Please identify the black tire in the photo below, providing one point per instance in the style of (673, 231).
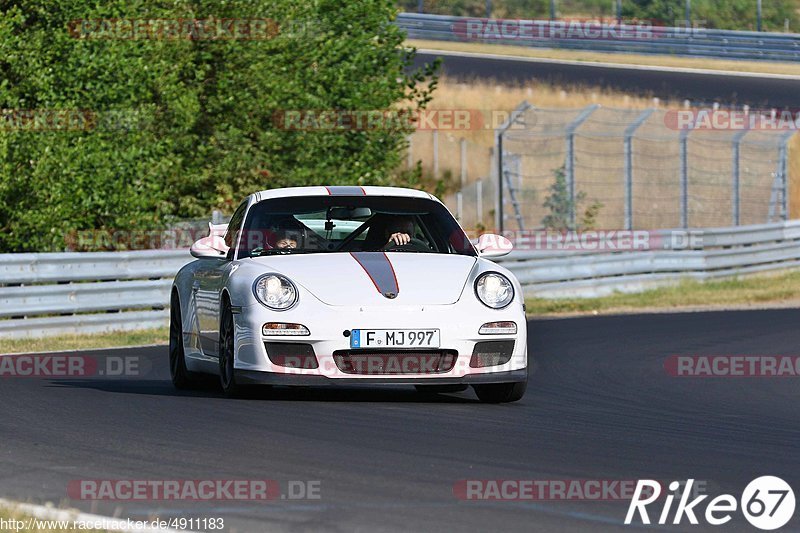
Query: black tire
(181, 377)
(501, 392)
(440, 389)
(227, 378)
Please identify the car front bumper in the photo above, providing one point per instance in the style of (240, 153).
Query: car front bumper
(458, 324)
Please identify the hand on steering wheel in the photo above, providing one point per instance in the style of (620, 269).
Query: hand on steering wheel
(410, 245)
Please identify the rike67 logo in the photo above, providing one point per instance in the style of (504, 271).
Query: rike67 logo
(767, 503)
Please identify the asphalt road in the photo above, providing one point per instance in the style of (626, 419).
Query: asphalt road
(600, 406)
(665, 84)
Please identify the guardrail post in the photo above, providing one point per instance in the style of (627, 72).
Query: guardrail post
(569, 165)
(737, 187)
(684, 156)
(629, 132)
(499, 132)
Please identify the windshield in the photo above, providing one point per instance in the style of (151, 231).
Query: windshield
(330, 224)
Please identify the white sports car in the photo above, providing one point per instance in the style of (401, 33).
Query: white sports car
(337, 285)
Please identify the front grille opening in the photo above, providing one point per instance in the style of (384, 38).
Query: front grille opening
(382, 363)
(292, 355)
(491, 353)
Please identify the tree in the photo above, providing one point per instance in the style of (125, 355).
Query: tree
(561, 207)
(182, 126)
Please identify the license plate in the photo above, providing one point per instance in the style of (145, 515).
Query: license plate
(394, 338)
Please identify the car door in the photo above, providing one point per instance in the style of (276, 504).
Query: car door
(207, 287)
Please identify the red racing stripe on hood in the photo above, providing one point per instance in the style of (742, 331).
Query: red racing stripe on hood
(380, 271)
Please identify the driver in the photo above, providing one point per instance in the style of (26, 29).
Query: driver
(398, 231)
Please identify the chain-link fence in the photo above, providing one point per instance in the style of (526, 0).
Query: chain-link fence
(639, 169)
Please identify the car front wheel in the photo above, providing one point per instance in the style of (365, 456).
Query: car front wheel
(181, 377)
(226, 354)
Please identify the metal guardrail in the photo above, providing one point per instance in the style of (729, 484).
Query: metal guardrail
(699, 42)
(62, 293)
(723, 252)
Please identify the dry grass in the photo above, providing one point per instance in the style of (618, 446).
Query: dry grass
(494, 101)
(83, 342)
(765, 67)
(709, 159)
(769, 290)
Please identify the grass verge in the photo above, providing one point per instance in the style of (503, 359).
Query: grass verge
(758, 67)
(751, 291)
(115, 339)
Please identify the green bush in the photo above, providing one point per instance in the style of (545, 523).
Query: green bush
(186, 126)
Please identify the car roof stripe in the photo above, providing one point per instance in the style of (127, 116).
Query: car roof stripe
(346, 190)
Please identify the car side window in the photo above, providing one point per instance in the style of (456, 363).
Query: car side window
(234, 229)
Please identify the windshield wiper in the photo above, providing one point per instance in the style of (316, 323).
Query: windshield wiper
(257, 252)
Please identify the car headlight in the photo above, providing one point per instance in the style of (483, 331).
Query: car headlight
(494, 290)
(275, 291)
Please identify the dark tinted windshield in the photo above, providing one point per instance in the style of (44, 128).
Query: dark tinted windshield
(328, 224)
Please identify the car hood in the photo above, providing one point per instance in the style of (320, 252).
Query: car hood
(376, 278)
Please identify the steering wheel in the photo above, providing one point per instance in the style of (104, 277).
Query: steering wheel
(414, 245)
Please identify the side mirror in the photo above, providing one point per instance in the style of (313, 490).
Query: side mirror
(211, 247)
(491, 245)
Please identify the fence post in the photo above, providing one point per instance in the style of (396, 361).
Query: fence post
(684, 141)
(463, 162)
(410, 160)
(435, 154)
(499, 132)
(569, 165)
(479, 200)
(783, 165)
(737, 182)
(629, 133)
(758, 14)
(460, 206)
